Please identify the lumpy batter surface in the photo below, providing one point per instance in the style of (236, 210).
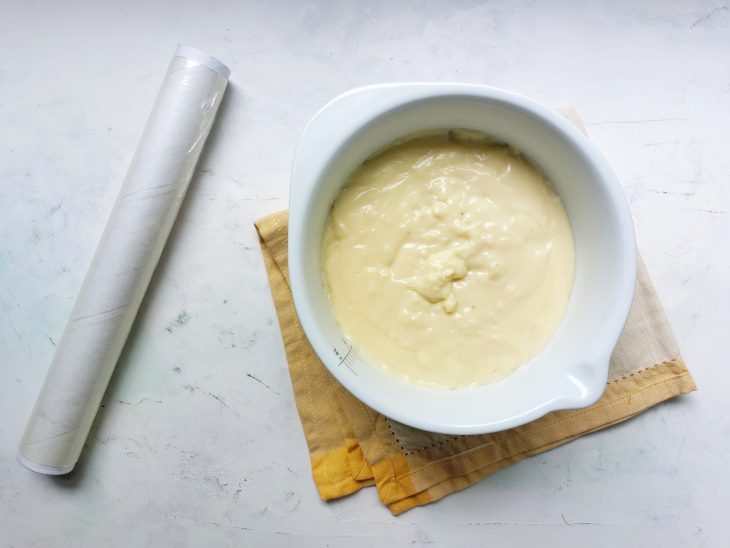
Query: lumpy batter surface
(448, 259)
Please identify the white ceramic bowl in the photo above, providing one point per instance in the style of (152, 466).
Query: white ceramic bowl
(570, 372)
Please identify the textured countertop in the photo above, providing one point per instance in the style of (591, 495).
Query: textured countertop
(198, 441)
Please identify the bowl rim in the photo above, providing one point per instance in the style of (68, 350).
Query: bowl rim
(389, 97)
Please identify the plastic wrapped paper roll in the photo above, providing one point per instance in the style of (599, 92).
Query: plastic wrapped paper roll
(120, 272)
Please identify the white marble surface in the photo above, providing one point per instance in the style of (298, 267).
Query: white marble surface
(198, 442)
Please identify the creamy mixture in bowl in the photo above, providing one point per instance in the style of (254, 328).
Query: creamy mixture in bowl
(448, 259)
(410, 280)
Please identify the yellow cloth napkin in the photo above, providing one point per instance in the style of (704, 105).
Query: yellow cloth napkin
(351, 446)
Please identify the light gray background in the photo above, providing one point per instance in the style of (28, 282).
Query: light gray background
(190, 449)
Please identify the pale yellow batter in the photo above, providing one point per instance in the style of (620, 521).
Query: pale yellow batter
(448, 259)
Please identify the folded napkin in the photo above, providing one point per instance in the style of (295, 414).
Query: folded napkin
(351, 446)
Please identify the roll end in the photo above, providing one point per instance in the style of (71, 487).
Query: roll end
(43, 468)
(204, 59)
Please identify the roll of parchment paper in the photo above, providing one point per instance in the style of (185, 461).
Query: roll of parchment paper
(120, 272)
